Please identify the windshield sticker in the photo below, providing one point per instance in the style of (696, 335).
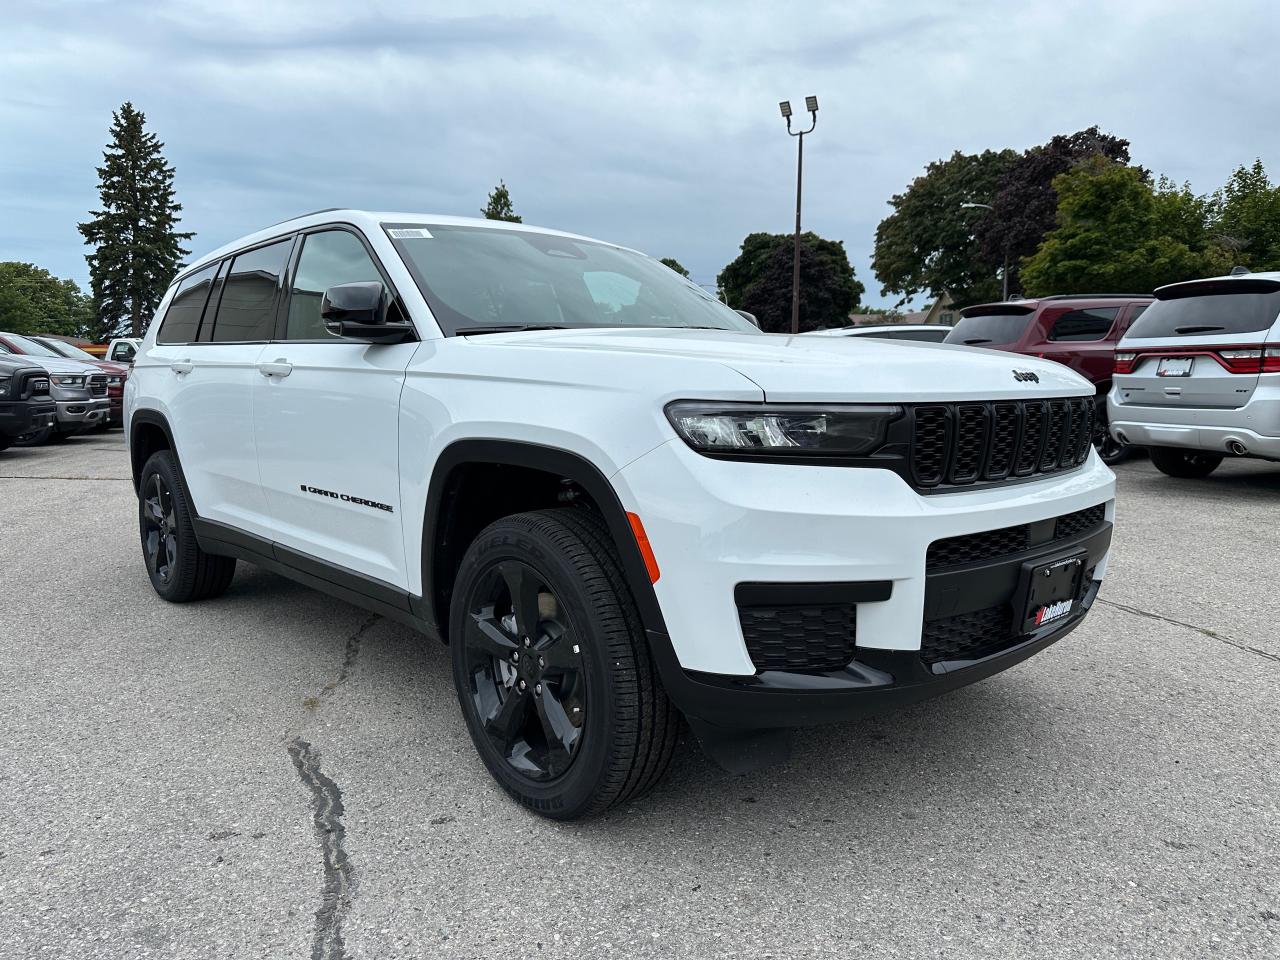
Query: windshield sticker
(409, 233)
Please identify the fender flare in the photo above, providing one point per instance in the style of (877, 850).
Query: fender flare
(571, 466)
(153, 418)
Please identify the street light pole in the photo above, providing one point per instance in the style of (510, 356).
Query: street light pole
(1004, 271)
(811, 104)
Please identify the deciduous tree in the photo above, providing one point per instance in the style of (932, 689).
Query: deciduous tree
(675, 265)
(32, 300)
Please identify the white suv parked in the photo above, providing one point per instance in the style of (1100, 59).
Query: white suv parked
(617, 500)
(1197, 376)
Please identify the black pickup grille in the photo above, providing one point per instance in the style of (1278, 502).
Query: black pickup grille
(98, 385)
(992, 544)
(956, 444)
(33, 385)
(818, 637)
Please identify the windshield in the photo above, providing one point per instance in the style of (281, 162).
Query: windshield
(485, 279)
(998, 328)
(68, 350)
(27, 345)
(1226, 306)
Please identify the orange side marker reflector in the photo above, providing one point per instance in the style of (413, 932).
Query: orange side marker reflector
(646, 551)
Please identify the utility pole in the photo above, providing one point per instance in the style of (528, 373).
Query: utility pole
(1004, 271)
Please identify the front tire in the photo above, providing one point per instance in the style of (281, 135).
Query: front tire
(1184, 464)
(179, 570)
(552, 668)
(1110, 450)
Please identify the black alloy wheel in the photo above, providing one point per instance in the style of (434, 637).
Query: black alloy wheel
(159, 529)
(1110, 450)
(525, 671)
(552, 666)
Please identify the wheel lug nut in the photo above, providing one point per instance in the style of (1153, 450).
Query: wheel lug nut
(527, 641)
(537, 688)
(515, 656)
(542, 662)
(522, 684)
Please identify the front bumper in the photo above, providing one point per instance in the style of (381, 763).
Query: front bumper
(26, 416)
(715, 525)
(74, 415)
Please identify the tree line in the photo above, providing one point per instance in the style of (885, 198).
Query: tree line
(1071, 215)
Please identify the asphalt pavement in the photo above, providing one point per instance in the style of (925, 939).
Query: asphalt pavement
(276, 774)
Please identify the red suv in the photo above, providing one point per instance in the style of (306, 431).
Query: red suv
(1078, 330)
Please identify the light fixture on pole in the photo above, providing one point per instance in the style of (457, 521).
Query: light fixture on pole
(810, 104)
(1004, 272)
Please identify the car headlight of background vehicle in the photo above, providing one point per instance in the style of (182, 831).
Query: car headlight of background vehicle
(114, 380)
(782, 431)
(67, 381)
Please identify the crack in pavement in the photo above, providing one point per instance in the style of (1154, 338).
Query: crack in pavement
(339, 875)
(1204, 631)
(339, 887)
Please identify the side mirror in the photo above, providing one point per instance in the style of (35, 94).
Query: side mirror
(749, 317)
(358, 311)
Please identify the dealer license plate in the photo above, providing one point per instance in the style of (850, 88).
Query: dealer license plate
(1052, 593)
(1174, 367)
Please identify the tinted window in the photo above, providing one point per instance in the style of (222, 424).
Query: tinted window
(247, 309)
(328, 259)
(979, 331)
(1137, 312)
(1091, 324)
(1225, 306)
(182, 319)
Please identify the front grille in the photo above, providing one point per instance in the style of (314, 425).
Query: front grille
(967, 636)
(813, 638)
(957, 444)
(991, 544)
(98, 385)
(33, 386)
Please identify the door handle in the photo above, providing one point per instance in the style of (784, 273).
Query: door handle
(279, 367)
(181, 366)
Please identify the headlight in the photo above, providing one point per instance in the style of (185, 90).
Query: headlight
(783, 431)
(114, 381)
(63, 381)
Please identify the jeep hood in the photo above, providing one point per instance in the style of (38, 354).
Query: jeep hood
(817, 369)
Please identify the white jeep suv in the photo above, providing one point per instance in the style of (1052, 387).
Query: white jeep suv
(616, 500)
(1197, 376)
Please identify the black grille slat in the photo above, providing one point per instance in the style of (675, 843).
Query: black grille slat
(1006, 421)
(1032, 438)
(993, 544)
(969, 444)
(1055, 435)
(810, 638)
(931, 436)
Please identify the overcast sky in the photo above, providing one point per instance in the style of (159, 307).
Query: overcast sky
(651, 124)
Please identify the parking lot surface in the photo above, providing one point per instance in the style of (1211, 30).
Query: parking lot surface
(277, 774)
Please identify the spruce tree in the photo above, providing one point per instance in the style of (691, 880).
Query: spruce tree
(137, 249)
(499, 207)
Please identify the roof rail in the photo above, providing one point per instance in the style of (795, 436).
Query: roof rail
(310, 213)
(1093, 296)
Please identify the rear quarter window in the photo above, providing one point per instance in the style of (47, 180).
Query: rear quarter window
(1221, 307)
(1090, 324)
(182, 319)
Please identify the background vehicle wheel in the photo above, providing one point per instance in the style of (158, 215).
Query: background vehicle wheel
(1110, 450)
(35, 438)
(179, 570)
(1188, 464)
(552, 668)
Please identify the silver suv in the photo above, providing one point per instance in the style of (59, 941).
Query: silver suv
(1197, 376)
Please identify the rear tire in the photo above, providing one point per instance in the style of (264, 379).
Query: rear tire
(544, 591)
(1185, 464)
(1110, 450)
(179, 570)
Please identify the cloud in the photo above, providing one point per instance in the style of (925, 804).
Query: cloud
(652, 124)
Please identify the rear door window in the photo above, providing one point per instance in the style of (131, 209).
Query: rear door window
(182, 319)
(1211, 309)
(993, 328)
(1091, 324)
(251, 294)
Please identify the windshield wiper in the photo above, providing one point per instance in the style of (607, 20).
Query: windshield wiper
(509, 328)
(1207, 328)
(970, 343)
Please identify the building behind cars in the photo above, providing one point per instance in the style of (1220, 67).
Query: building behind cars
(1198, 376)
(1078, 331)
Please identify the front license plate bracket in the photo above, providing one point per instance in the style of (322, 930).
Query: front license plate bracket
(1051, 591)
